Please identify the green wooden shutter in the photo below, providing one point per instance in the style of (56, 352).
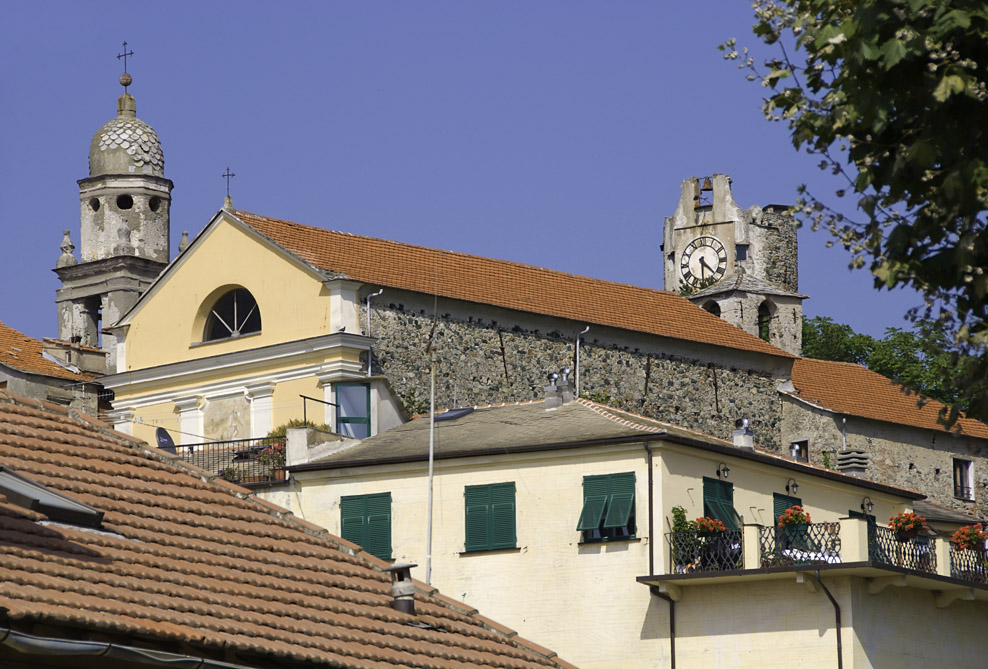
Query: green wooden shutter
(378, 528)
(782, 502)
(503, 515)
(621, 501)
(596, 489)
(718, 502)
(477, 502)
(353, 511)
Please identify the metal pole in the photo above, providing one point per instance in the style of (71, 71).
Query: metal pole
(432, 443)
(369, 296)
(585, 330)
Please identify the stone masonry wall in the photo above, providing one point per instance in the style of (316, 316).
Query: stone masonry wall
(909, 457)
(774, 242)
(490, 360)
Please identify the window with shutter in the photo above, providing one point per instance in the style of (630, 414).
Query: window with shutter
(718, 502)
(782, 502)
(490, 517)
(366, 521)
(608, 511)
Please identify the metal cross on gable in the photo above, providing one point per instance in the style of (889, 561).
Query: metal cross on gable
(228, 175)
(124, 56)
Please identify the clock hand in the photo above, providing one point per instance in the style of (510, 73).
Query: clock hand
(704, 266)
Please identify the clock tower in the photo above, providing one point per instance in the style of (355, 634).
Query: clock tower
(739, 264)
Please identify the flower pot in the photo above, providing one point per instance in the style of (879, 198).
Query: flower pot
(279, 474)
(906, 535)
(795, 536)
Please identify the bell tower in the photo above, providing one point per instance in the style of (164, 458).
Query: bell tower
(124, 220)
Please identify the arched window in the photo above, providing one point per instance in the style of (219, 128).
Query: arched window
(765, 321)
(234, 314)
(713, 308)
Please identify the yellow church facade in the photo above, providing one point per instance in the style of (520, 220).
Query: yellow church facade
(234, 337)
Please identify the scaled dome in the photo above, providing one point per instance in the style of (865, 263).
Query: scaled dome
(126, 145)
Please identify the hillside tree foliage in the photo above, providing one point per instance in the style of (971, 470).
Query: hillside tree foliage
(922, 359)
(891, 97)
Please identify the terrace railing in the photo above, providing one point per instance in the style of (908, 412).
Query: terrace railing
(886, 547)
(706, 551)
(809, 543)
(969, 565)
(243, 461)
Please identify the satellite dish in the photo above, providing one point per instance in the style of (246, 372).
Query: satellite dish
(165, 442)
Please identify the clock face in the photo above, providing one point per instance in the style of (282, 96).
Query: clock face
(703, 259)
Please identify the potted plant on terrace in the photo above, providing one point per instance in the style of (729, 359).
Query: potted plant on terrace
(908, 525)
(709, 526)
(273, 456)
(969, 538)
(685, 545)
(794, 525)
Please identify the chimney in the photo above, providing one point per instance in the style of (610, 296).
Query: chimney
(743, 436)
(559, 391)
(402, 588)
(852, 462)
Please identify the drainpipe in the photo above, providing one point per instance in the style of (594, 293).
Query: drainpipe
(369, 296)
(585, 330)
(672, 624)
(843, 433)
(651, 520)
(840, 649)
(651, 562)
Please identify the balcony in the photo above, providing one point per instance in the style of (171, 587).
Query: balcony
(851, 544)
(247, 462)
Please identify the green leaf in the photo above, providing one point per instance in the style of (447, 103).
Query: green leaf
(892, 52)
(949, 85)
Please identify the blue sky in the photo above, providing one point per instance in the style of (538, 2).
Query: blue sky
(554, 133)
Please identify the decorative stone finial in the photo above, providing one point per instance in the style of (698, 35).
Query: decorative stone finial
(228, 203)
(67, 259)
(184, 243)
(126, 80)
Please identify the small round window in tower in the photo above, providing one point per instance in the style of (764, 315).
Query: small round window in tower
(154, 203)
(125, 202)
(233, 315)
(94, 204)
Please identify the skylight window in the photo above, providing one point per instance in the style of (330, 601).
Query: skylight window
(29, 494)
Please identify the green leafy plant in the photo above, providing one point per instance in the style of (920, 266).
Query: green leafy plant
(231, 474)
(282, 430)
(273, 455)
(794, 515)
(679, 521)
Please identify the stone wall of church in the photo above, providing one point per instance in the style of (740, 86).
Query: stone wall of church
(491, 356)
(902, 456)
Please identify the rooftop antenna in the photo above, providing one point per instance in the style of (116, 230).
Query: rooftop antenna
(125, 78)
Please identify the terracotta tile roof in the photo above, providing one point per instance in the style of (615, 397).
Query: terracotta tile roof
(24, 354)
(182, 562)
(505, 284)
(849, 388)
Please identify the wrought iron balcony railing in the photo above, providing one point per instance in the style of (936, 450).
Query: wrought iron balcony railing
(243, 461)
(800, 544)
(885, 546)
(969, 565)
(706, 551)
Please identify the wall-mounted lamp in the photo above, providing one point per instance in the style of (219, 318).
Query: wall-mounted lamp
(792, 486)
(722, 471)
(867, 505)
